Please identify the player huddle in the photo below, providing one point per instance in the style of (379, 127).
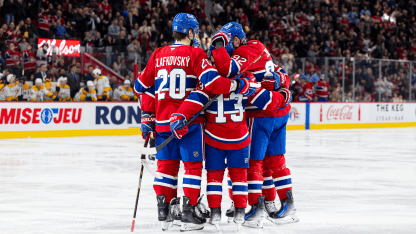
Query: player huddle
(243, 130)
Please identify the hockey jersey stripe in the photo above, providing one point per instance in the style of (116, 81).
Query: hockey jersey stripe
(165, 184)
(223, 140)
(282, 178)
(262, 99)
(190, 84)
(234, 68)
(268, 182)
(208, 76)
(214, 187)
(139, 87)
(190, 181)
(167, 181)
(284, 186)
(282, 182)
(240, 188)
(163, 123)
(255, 187)
(198, 98)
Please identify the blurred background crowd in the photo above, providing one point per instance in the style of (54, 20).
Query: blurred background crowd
(360, 50)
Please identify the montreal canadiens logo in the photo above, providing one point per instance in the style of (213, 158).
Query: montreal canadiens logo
(46, 116)
(293, 114)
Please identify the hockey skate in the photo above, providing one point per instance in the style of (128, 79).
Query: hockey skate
(239, 217)
(215, 218)
(191, 218)
(230, 213)
(175, 212)
(254, 218)
(163, 212)
(287, 212)
(202, 208)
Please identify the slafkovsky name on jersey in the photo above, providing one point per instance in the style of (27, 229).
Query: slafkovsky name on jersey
(173, 60)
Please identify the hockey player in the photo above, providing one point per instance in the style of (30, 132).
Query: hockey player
(38, 91)
(322, 87)
(104, 91)
(77, 97)
(51, 89)
(307, 93)
(125, 92)
(227, 138)
(88, 93)
(5, 94)
(267, 128)
(63, 91)
(174, 71)
(14, 87)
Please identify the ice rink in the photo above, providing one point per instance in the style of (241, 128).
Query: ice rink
(344, 181)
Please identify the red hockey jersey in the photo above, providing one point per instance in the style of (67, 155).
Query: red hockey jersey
(307, 93)
(29, 60)
(242, 57)
(104, 8)
(226, 126)
(174, 71)
(12, 57)
(44, 22)
(13, 36)
(322, 88)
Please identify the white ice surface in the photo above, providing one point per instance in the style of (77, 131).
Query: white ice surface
(344, 181)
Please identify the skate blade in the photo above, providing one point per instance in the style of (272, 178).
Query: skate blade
(186, 227)
(253, 224)
(285, 220)
(177, 223)
(217, 226)
(230, 219)
(165, 225)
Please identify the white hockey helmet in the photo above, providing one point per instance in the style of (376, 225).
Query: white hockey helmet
(1, 75)
(127, 82)
(90, 83)
(38, 81)
(96, 71)
(9, 77)
(62, 79)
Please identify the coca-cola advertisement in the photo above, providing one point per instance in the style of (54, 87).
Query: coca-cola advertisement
(339, 113)
(328, 114)
(66, 48)
(334, 113)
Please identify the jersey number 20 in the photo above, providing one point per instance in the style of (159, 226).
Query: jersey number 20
(175, 75)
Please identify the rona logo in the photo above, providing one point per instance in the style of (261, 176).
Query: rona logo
(117, 115)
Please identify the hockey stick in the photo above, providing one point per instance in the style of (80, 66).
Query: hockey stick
(140, 183)
(212, 100)
(142, 149)
(208, 10)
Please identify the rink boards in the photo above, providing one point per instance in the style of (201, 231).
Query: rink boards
(58, 119)
(51, 119)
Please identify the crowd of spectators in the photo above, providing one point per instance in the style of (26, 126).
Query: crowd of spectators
(128, 31)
